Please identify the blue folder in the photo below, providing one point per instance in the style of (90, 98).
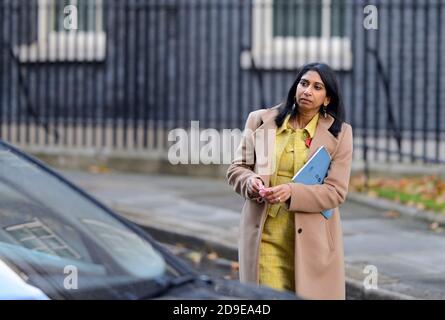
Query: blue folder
(315, 171)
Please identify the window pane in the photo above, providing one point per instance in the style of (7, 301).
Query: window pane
(39, 232)
(59, 15)
(298, 18)
(33, 243)
(86, 14)
(338, 9)
(66, 253)
(20, 234)
(53, 243)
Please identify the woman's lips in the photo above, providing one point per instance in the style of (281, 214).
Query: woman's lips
(305, 100)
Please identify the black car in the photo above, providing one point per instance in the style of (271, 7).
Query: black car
(58, 242)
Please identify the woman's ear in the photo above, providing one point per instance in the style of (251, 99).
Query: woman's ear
(327, 100)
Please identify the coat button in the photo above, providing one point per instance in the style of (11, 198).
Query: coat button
(300, 230)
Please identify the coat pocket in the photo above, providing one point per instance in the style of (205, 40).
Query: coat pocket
(329, 235)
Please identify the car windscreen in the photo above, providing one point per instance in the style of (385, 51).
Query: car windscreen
(65, 244)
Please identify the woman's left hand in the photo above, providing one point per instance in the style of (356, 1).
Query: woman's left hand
(276, 194)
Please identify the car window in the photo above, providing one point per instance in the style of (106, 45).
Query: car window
(63, 243)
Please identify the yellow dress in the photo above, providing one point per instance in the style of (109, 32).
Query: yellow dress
(276, 259)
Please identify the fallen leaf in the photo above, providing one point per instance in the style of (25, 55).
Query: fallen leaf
(194, 256)
(93, 169)
(212, 256)
(434, 225)
(373, 194)
(391, 214)
(100, 169)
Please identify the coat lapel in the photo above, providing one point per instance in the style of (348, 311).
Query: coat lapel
(264, 144)
(323, 137)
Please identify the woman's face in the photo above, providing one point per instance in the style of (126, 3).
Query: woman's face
(311, 92)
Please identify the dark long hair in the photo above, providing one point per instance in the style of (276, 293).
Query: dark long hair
(335, 107)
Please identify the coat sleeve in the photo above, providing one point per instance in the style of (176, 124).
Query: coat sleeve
(242, 167)
(333, 191)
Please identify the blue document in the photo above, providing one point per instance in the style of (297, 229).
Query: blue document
(314, 171)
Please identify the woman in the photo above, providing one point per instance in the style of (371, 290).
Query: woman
(285, 242)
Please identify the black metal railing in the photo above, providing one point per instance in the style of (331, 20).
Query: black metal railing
(135, 69)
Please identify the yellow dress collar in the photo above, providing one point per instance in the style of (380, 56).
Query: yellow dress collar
(309, 128)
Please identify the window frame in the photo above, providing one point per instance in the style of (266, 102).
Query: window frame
(29, 226)
(71, 45)
(290, 52)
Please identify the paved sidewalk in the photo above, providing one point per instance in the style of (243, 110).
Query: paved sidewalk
(409, 257)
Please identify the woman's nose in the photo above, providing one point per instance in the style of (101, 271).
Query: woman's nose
(308, 91)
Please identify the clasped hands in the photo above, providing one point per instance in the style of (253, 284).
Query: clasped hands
(273, 195)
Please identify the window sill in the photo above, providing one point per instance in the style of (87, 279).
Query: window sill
(287, 53)
(64, 47)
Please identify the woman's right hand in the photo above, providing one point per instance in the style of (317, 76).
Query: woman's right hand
(254, 185)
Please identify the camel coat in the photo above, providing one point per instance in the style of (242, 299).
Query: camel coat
(319, 258)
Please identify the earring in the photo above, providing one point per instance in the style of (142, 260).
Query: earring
(325, 112)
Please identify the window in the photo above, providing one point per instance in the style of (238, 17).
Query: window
(68, 30)
(289, 33)
(89, 15)
(297, 18)
(36, 236)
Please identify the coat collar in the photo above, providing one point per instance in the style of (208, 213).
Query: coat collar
(309, 128)
(268, 118)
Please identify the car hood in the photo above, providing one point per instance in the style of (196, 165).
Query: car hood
(14, 288)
